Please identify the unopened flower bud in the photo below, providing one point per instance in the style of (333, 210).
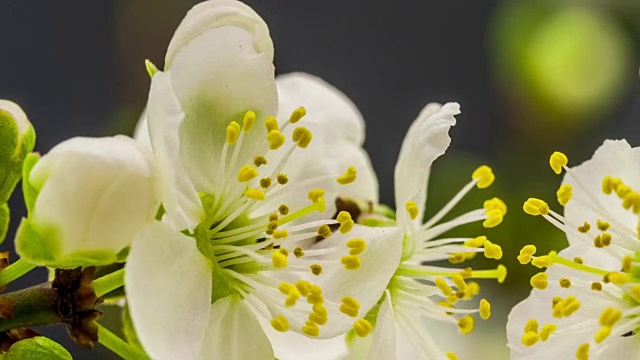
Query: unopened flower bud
(17, 139)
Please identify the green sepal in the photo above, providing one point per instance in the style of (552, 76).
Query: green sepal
(151, 68)
(13, 150)
(29, 192)
(37, 348)
(4, 221)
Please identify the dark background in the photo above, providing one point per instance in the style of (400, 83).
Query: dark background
(77, 69)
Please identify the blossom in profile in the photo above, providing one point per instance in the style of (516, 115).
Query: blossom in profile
(586, 304)
(249, 182)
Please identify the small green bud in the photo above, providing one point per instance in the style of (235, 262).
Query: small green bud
(17, 139)
(4, 221)
(151, 68)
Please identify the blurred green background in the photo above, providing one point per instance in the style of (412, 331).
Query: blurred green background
(532, 77)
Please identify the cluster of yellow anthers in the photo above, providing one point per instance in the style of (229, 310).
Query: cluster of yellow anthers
(624, 280)
(242, 250)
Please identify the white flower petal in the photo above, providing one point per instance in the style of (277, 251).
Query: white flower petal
(379, 261)
(427, 139)
(168, 285)
(165, 117)
(292, 345)
(217, 77)
(615, 159)
(381, 343)
(234, 333)
(216, 14)
(109, 188)
(141, 132)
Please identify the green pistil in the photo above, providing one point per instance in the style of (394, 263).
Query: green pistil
(319, 206)
(580, 267)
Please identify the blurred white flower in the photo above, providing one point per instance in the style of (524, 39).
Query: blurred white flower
(244, 196)
(586, 304)
(87, 198)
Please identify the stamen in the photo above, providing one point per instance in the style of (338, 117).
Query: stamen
(302, 136)
(492, 251)
(610, 317)
(535, 207)
(483, 176)
(351, 262)
(265, 183)
(485, 309)
(316, 269)
(248, 120)
(531, 326)
(526, 253)
(346, 223)
(350, 306)
(311, 329)
(564, 194)
(279, 259)
(324, 231)
(280, 323)
(246, 173)
(282, 179)
(362, 327)
(412, 209)
(530, 338)
(348, 177)
(583, 352)
(233, 129)
(298, 252)
(283, 209)
(271, 124)
(259, 160)
(276, 139)
(466, 324)
(255, 194)
(540, 281)
(297, 114)
(547, 330)
(356, 246)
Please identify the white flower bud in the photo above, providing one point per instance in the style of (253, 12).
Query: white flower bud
(93, 196)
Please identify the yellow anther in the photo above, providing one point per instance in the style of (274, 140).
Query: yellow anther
(597, 241)
(351, 262)
(304, 287)
(602, 334)
(315, 295)
(578, 260)
(279, 259)
(248, 120)
(282, 179)
(271, 124)
(603, 225)
(501, 273)
(280, 323)
(473, 288)
(557, 161)
(583, 352)
(317, 318)
(348, 177)
(311, 329)
(451, 356)
(535, 207)
(476, 242)
(584, 228)
(544, 261)
(466, 324)
(564, 194)
(606, 239)
(275, 139)
(302, 136)
(610, 317)
(255, 194)
(596, 286)
(316, 195)
(283, 209)
(280, 234)
(356, 246)
(272, 226)
(485, 309)
(412, 209)
(492, 251)
(273, 218)
(468, 272)
(346, 226)
(297, 114)
(246, 173)
(320, 309)
(526, 253)
(618, 278)
(286, 288)
(495, 203)
(233, 129)
(265, 183)
(316, 269)
(627, 263)
(483, 176)
(610, 184)
(457, 258)
(324, 231)
(350, 306)
(530, 338)
(566, 307)
(565, 283)
(362, 327)
(540, 281)
(494, 218)
(259, 161)
(623, 190)
(292, 298)
(555, 301)
(531, 326)
(547, 330)
(459, 281)
(444, 287)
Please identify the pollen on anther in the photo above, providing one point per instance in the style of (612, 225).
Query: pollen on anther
(466, 324)
(302, 136)
(279, 259)
(583, 352)
(248, 120)
(348, 177)
(535, 207)
(276, 139)
(316, 195)
(547, 330)
(362, 327)
(316, 269)
(530, 338)
(564, 194)
(254, 194)
(596, 286)
(492, 251)
(298, 252)
(350, 306)
(565, 283)
(280, 234)
(246, 173)
(351, 262)
(283, 209)
(526, 253)
(265, 183)
(584, 228)
(271, 124)
(311, 329)
(557, 161)
(282, 179)
(483, 176)
(280, 323)
(485, 309)
(233, 129)
(539, 281)
(324, 231)
(412, 209)
(259, 161)
(356, 246)
(297, 114)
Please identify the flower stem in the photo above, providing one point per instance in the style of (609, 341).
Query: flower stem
(14, 271)
(118, 346)
(108, 283)
(33, 306)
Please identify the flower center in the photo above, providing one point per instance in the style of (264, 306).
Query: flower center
(607, 234)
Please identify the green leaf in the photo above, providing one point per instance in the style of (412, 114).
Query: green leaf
(4, 221)
(29, 192)
(37, 348)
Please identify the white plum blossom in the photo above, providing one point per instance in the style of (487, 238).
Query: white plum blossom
(586, 304)
(87, 198)
(249, 182)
